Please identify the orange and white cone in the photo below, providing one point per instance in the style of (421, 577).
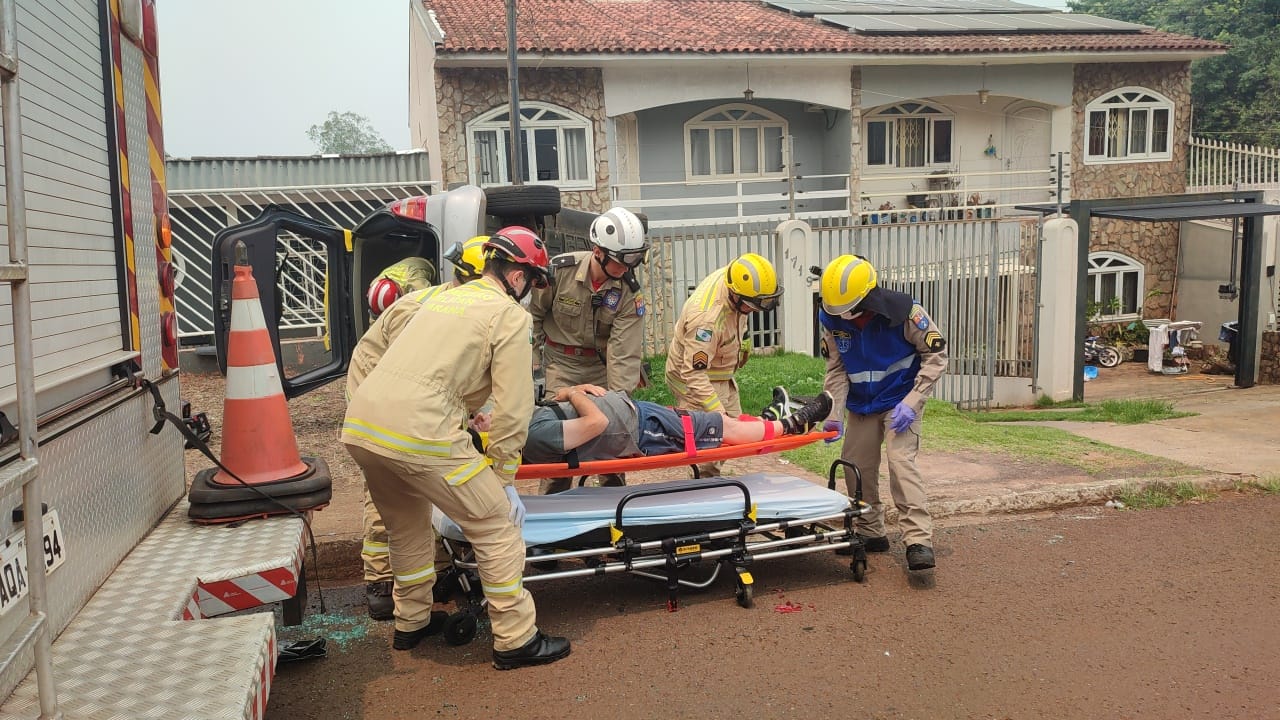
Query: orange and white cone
(258, 444)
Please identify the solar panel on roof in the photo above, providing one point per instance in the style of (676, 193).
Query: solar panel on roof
(978, 23)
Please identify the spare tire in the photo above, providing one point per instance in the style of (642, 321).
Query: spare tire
(519, 200)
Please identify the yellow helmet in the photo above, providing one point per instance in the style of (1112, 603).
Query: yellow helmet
(845, 282)
(752, 278)
(467, 258)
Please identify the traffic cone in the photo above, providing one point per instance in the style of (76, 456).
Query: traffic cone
(258, 444)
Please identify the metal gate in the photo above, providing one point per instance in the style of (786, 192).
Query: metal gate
(976, 279)
(197, 215)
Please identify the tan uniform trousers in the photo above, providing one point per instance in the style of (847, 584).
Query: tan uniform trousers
(376, 551)
(863, 436)
(405, 493)
(566, 371)
(727, 391)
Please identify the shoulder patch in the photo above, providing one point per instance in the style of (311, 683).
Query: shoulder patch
(700, 361)
(639, 306)
(918, 317)
(563, 261)
(702, 334)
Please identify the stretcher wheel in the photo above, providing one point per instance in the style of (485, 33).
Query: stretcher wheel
(460, 628)
(745, 596)
(859, 565)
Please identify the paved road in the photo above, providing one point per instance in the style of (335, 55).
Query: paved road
(1084, 614)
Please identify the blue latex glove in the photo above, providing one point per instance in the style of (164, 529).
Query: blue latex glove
(837, 425)
(517, 505)
(902, 417)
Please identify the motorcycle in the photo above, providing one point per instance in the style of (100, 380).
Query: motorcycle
(1096, 351)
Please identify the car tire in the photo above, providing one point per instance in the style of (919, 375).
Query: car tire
(522, 200)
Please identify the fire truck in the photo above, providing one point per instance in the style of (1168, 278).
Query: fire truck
(108, 593)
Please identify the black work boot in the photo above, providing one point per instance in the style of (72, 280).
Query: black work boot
(409, 639)
(540, 650)
(878, 544)
(377, 596)
(812, 413)
(780, 406)
(919, 557)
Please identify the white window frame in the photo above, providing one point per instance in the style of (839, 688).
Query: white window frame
(931, 113)
(719, 118)
(1131, 102)
(1119, 265)
(533, 117)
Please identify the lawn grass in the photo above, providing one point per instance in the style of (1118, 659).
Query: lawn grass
(800, 374)
(1125, 412)
(1161, 494)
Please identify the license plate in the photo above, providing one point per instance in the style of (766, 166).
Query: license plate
(13, 571)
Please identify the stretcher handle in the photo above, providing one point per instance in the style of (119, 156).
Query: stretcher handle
(714, 483)
(857, 485)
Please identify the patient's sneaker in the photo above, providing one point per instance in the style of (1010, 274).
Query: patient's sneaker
(780, 407)
(812, 413)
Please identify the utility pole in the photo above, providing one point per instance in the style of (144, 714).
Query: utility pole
(516, 168)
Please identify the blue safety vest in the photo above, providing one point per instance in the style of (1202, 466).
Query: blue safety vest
(880, 363)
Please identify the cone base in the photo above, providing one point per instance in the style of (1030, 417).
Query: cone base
(212, 502)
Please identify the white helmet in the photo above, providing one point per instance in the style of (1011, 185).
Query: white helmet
(620, 234)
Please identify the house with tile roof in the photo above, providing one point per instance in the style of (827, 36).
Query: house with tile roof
(690, 110)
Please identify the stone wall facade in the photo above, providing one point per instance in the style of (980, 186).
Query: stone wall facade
(467, 93)
(1269, 363)
(1155, 245)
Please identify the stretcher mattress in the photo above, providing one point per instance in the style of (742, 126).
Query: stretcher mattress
(578, 513)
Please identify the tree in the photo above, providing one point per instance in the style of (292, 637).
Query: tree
(1237, 95)
(347, 133)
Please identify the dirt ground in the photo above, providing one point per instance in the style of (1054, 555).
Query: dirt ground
(1088, 613)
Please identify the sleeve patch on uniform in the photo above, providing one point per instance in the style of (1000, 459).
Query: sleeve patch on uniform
(639, 306)
(935, 341)
(700, 361)
(918, 317)
(703, 335)
(826, 352)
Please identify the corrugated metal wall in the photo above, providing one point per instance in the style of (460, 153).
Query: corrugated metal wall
(269, 172)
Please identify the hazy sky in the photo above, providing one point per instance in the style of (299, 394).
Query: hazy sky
(249, 77)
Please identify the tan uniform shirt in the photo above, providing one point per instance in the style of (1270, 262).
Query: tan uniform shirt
(707, 342)
(411, 274)
(563, 314)
(929, 345)
(461, 347)
(373, 345)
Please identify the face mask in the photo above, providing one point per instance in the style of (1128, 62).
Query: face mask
(851, 315)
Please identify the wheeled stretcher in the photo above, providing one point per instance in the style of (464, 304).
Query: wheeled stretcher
(663, 530)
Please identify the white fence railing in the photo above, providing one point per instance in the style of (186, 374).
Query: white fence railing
(1216, 165)
(196, 216)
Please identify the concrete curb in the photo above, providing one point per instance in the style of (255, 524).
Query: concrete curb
(339, 557)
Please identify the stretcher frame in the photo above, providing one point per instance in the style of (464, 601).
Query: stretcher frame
(736, 547)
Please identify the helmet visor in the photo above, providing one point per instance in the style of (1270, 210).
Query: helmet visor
(630, 258)
(454, 253)
(764, 303)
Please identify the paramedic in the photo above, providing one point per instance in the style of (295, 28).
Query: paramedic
(588, 322)
(406, 428)
(884, 356)
(710, 342)
(595, 424)
(468, 262)
(408, 275)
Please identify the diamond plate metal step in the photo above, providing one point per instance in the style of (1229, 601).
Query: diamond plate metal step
(129, 653)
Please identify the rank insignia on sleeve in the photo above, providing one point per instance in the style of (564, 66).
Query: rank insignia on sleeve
(935, 341)
(825, 352)
(918, 318)
(703, 334)
(700, 360)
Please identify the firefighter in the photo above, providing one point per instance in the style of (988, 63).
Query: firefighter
(884, 357)
(589, 320)
(468, 262)
(710, 341)
(408, 275)
(406, 429)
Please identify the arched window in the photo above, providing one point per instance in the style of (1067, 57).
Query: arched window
(907, 135)
(1129, 125)
(557, 147)
(1115, 286)
(733, 141)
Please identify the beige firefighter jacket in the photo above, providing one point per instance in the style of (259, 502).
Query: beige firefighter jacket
(707, 344)
(460, 348)
(373, 345)
(410, 274)
(563, 313)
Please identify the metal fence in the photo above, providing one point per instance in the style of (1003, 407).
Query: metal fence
(198, 215)
(1218, 165)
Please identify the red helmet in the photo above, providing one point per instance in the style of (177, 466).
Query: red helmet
(382, 294)
(521, 246)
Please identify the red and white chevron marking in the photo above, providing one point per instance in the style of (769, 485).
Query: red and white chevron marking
(249, 591)
(263, 691)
